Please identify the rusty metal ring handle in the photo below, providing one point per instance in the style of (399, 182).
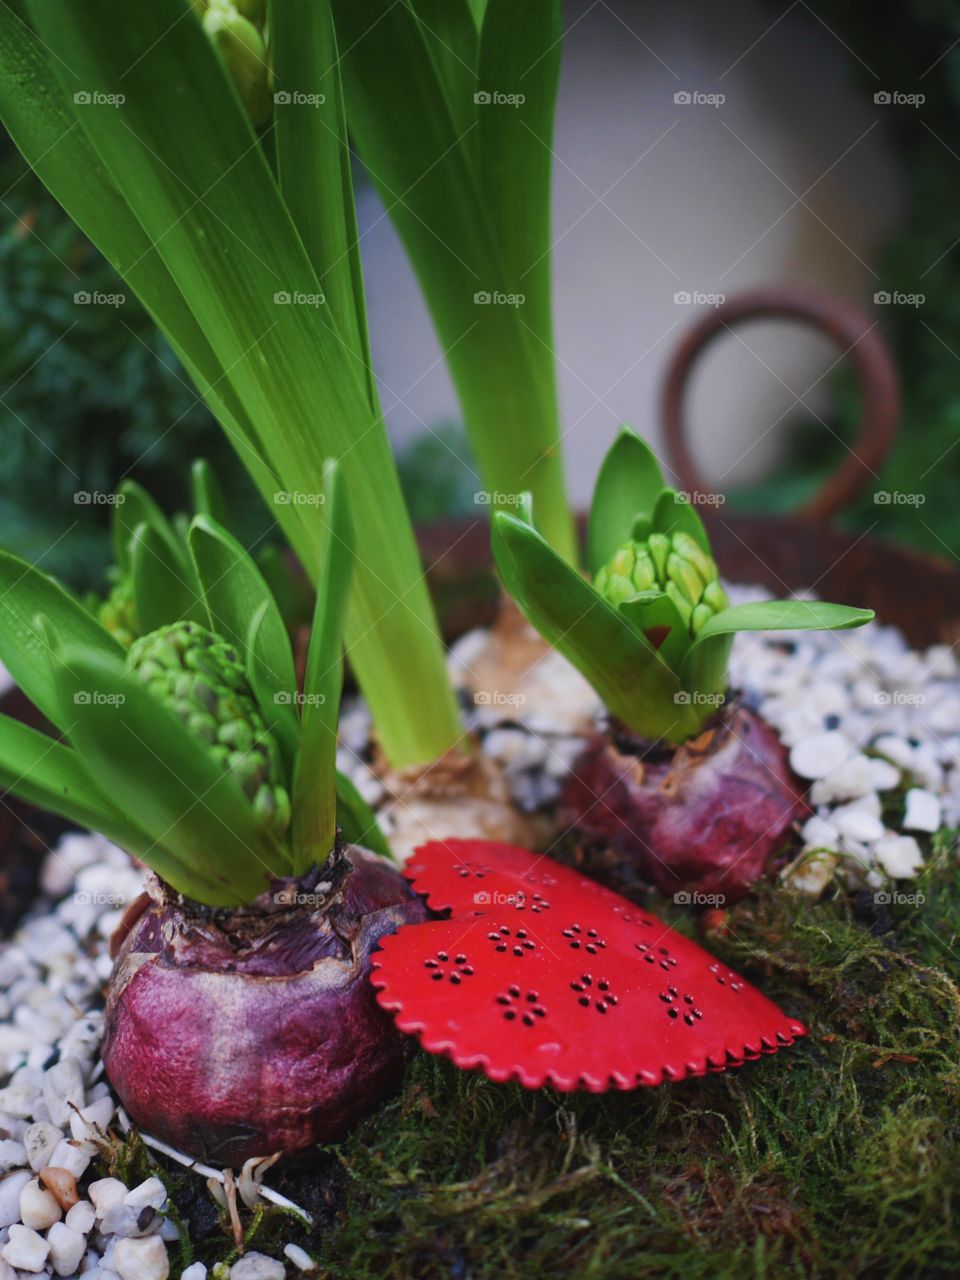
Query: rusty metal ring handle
(859, 340)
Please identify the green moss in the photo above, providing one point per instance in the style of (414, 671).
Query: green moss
(837, 1157)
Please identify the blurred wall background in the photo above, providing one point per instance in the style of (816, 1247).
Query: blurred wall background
(791, 177)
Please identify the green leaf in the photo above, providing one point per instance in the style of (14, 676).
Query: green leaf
(207, 840)
(520, 50)
(182, 153)
(627, 487)
(314, 797)
(642, 528)
(672, 514)
(208, 495)
(357, 821)
(162, 591)
(705, 666)
(450, 33)
(136, 507)
(471, 203)
(655, 611)
(51, 776)
(313, 160)
(242, 608)
(632, 679)
(277, 705)
(785, 615)
(27, 594)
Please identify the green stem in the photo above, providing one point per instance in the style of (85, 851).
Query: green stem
(509, 398)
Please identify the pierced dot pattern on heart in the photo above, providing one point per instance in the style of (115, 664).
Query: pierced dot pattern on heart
(543, 976)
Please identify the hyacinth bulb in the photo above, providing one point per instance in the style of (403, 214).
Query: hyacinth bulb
(705, 818)
(234, 1034)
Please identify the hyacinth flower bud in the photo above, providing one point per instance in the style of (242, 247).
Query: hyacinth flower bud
(715, 596)
(673, 563)
(118, 613)
(658, 544)
(200, 677)
(243, 53)
(685, 577)
(684, 607)
(705, 564)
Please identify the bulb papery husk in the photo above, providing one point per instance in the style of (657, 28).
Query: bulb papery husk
(462, 791)
(703, 820)
(241, 1033)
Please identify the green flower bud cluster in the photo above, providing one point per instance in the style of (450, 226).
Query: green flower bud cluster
(669, 562)
(117, 613)
(235, 28)
(201, 678)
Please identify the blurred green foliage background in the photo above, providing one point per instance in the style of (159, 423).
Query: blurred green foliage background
(914, 48)
(88, 393)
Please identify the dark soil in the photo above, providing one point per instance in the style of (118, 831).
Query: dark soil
(25, 837)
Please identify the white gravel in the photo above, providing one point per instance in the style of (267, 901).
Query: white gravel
(55, 1105)
(863, 716)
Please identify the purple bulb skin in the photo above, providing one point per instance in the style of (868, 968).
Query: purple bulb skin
(706, 818)
(232, 1034)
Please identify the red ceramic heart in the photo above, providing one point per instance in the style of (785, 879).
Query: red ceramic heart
(543, 976)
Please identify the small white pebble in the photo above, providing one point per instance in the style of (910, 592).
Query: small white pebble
(92, 1120)
(56, 877)
(195, 1271)
(72, 1157)
(820, 754)
(922, 812)
(12, 1126)
(151, 1192)
(811, 874)
(124, 1220)
(899, 856)
(299, 1257)
(257, 1266)
(66, 1248)
(143, 1259)
(820, 832)
(10, 1188)
(168, 1230)
(858, 825)
(13, 1155)
(41, 1140)
(38, 1207)
(105, 1193)
(18, 1100)
(81, 1217)
(63, 1086)
(849, 781)
(884, 776)
(25, 1249)
(896, 749)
